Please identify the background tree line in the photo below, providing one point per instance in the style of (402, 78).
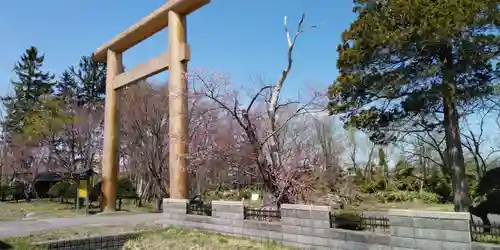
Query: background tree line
(416, 91)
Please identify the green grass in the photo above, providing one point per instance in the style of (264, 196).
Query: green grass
(181, 239)
(53, 209)
(489, 239)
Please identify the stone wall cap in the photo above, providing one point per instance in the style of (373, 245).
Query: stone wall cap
(430, 214)
(230, 203)
(171, 200)
(305, 207)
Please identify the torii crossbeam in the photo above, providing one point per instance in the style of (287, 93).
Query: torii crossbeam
(172, 14)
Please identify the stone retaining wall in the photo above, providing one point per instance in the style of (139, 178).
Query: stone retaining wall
(308, 227)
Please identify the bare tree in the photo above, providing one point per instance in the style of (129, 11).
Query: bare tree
(261, 128)
(475, 141)
(145, 130)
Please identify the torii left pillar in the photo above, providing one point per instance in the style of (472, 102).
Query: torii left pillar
(173, 13)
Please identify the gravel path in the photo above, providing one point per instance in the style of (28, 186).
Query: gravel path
(24, 228)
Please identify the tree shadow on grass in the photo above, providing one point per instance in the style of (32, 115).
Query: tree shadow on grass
(4, 245)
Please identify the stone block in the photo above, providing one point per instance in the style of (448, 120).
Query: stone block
(290, 229)
(198, 218)
(262, 225)
(402, 242)
(428, 244)
(319, 232)
(290, 221)
(401, 221)
(226, 221)
(286, 212)
(456, 246)
(430, 223)
(290, 237)
(275, 236)
(353, 245)
(356, 236)
(227, 206)
(379, 247)
(337, 244)
(457, 225)
(228, 215)
(304, 239)
(176, 204)
(378, 239)
(306, 223)
(399, 231)
(456, 236)
(305, 211)
(429, 214)
(443, 235)
(322, 242)
(337, 234)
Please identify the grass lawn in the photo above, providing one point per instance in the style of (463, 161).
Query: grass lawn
(178, 239)
(181, 239)
(53, 209)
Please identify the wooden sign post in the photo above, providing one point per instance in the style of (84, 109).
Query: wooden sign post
(173, 14)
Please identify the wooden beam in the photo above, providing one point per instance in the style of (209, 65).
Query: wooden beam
(149, 68)
(147, 27)
(142, 71)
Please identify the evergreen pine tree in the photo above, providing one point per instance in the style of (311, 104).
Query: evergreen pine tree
(91, 78)
(31, 84)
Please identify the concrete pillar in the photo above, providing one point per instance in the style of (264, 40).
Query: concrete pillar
(178, 122)
(110, 145)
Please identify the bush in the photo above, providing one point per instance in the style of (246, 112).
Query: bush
(59, 189)
(348, 220)
(405, 196)
(17, 191)
(71, 191)
(228, 194)
(6, 192)
(126, 189)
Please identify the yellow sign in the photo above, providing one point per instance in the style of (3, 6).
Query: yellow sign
(82, 189)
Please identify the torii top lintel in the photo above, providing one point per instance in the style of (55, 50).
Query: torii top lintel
(147, 27)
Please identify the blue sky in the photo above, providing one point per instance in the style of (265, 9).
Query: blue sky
(243, 38)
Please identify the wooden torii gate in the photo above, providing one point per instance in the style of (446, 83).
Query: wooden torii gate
(173, 14)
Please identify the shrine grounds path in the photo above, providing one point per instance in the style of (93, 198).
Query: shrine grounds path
(27, 227)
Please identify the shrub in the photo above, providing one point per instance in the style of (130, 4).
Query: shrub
(59, 189)
(229, 194)
(404, 196)
(6, 192)
(17, 191)
(348, 220)
(126, 189)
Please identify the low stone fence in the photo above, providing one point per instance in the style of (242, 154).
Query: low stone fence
(309, 227)
(108, 242)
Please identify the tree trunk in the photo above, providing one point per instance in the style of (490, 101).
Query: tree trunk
(159, 202)
(455, 161)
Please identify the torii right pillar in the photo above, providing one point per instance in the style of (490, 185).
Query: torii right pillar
(178, 105)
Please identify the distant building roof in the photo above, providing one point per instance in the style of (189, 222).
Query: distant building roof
(48, 176)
